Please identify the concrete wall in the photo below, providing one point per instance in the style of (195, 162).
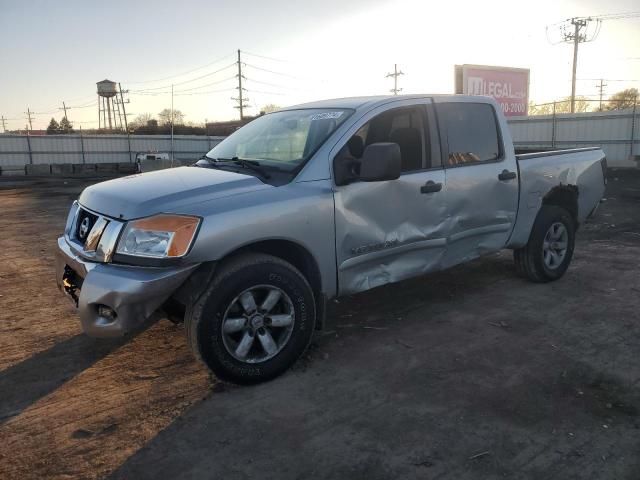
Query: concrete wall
(617, 132)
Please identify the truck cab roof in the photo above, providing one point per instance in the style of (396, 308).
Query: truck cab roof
(377, 100)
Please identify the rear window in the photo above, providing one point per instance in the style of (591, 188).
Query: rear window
(472, 132)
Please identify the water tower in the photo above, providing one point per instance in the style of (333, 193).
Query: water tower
(109, 115)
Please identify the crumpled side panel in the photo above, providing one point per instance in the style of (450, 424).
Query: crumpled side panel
(388, 231)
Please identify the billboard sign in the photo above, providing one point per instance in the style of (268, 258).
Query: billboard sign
(509, 86)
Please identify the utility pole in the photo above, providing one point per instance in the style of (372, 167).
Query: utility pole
(124, 111)
(29, 118)
(575, 36)
(64, 107)
(4, 128)
(172, 124)
(395, 76)
(241, 105)
(601, 88)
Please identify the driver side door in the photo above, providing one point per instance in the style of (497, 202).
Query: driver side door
(391, 230)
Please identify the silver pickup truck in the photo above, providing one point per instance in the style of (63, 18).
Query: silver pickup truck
(310, 203)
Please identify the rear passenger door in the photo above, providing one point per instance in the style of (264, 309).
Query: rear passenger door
(390, 230)
(481, 179)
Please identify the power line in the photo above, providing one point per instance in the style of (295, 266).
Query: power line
(265, 93)
(186, 81)
(92, 104)
(207, 92)
(183, 92)
(272, 71)
(207, 84)
(251, 80)
(276, 85)
(611, 79)
(55, 110)
(265, 57)
(183, 73)
(617, 16)
(86, 122)
(82, 99)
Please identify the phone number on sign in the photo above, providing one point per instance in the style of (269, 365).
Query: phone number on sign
(514, 108)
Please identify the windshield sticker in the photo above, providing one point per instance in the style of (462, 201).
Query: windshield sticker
(326, 115)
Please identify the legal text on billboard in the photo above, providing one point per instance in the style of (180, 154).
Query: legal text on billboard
(479, 86)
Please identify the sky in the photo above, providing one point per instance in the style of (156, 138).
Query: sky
(292, 52)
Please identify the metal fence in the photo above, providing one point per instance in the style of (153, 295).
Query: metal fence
(617, 132)
(20, 150)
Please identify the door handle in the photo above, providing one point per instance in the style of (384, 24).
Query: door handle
(431, 187)
(506, 175)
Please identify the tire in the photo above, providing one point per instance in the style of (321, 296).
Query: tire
(220, 321)
(539, 260)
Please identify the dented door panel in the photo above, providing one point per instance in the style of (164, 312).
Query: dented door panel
(388, 231)
(481, 210)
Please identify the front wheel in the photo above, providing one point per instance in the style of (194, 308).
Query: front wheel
(547, 254)
(254, 321)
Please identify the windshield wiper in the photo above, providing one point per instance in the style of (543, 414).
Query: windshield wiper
(250, 164)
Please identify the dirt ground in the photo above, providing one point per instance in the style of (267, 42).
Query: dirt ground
(465, 374)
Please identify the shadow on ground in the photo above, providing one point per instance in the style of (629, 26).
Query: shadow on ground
(26, 382)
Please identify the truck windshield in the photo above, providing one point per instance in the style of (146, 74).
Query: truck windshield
(284, 140)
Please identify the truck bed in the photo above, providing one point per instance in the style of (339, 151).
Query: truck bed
(526, 155)
(543, 173)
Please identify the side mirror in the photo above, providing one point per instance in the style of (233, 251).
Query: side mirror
(379, 162)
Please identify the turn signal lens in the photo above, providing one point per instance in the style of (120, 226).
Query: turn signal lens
(159, 236)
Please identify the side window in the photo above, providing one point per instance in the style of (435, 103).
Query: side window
(472, 132)
(404, 126)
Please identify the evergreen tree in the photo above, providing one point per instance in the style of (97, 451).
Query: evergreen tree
(66, 126)
(53, 127)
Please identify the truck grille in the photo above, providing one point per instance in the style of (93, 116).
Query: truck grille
(84, 223)
(91, 235)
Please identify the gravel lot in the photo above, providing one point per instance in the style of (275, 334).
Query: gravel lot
(465, 374)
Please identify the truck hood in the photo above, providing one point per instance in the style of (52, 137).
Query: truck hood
(165, 191)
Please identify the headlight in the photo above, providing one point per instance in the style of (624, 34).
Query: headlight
(71, 217)
(159, 236)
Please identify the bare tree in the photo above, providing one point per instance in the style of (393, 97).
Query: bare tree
(141, 120)
(621, 100)
(562, 106)
(544, 109)
(165, 117)
(269, 108)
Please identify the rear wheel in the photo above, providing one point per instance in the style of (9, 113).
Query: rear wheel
(254, 321)
(549, 250)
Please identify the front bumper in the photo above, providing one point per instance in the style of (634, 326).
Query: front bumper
(133, 293)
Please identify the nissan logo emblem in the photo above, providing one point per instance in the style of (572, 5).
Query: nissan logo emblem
(83, 231)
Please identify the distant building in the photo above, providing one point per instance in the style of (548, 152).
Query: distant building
(226, 128)
(33, 133)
